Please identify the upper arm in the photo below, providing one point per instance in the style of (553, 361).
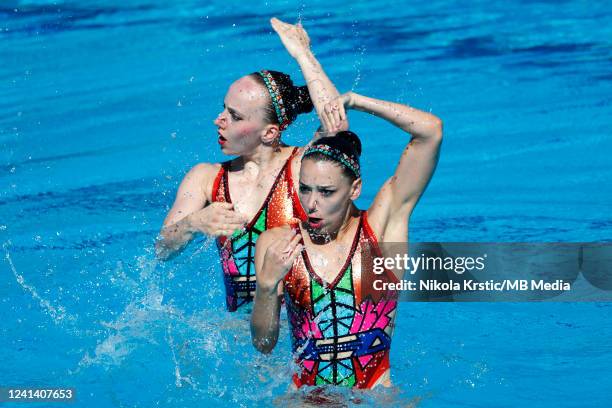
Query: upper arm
(414, 171)
(193, 192)
(400, 193)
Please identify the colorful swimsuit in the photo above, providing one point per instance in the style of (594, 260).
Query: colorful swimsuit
(341, 332)
(281, 207)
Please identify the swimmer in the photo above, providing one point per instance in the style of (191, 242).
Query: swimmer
(340, 328)
(237, 200)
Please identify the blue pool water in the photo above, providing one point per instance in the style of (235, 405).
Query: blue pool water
(105, 105)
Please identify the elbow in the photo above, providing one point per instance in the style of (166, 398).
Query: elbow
(263, 339)
(437, 129)
(429, 131)
(264, 345)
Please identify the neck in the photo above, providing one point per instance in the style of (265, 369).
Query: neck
(329, 236)
(263, 158)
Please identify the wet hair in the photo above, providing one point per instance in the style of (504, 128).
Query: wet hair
(345, 142)
(296, 99)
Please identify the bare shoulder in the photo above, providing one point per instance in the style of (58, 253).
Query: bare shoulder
(204, 169)
(203, 175)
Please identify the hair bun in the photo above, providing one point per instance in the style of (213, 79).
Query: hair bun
(351, 139)
(296, 99)
(345, 141)
(302, 101)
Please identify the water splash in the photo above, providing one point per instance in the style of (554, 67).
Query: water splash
(179, 379)
(57, 313)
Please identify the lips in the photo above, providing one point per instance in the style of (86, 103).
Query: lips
(315, 223)
(221, 139)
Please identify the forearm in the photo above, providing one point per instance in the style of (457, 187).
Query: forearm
(421, 125)
(264, 319)
(173, 238)
(320, 87)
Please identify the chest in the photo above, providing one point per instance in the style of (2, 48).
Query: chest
(329, 262)
(248, 193)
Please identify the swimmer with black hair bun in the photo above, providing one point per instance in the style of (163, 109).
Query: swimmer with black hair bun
(340, 328)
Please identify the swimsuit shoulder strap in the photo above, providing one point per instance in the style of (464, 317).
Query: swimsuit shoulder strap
(368, 232)
(370, 237)
(298, 211)
(220, 191)
(289, 161)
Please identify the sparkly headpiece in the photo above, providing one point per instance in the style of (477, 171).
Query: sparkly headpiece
(277, 100)
(341, 157)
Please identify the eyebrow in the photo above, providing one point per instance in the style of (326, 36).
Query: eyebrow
(326, 187)
(232, 110)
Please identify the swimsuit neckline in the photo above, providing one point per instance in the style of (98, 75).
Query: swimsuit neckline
(347, 262)
(228, 197)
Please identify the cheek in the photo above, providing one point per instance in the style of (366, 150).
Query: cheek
(334, 205)
(246, 131)
(247, 135)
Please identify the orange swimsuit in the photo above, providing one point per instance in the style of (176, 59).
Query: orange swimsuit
(341, 331)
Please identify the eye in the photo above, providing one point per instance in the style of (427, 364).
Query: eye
(234, 115)
(326, 193)
(304, 189)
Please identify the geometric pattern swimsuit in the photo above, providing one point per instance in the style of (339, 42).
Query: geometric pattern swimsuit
(341, 331)
(281, 207)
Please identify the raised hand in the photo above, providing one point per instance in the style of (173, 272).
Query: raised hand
(279, 257)
(294, 37)
(217, 219)
(334, 113)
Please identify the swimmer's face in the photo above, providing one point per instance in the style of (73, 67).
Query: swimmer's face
(326, 195)
(241, 124)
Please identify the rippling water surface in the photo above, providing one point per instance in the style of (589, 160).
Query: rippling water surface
(105, 105)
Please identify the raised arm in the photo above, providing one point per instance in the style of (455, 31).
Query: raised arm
(275, 252)
(322, 90)
(401, 192)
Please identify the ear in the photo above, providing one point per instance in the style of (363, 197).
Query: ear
(269, 134)
(356, 189)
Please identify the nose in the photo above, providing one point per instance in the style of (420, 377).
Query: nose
(311, 203)
(220, 119)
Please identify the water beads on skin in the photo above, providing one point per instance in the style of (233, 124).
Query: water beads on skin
(320, 262)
